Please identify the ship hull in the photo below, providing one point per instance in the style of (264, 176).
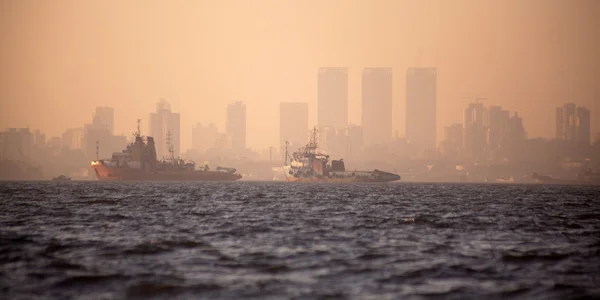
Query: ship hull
(336, 180)
(298, 175)
(104, 173)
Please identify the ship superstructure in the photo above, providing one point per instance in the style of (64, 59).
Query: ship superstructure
(138, 162)
(309, 165)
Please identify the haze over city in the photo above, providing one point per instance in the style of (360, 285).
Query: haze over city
(61, 59)
(300, 149)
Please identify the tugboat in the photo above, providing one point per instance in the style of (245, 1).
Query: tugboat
(308, 165)
(138, 162)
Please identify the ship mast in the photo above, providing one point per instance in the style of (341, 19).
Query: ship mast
(97, 156)
(311, 147)
(286, 154)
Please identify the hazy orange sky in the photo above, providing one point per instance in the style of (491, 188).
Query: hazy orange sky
(59, 59)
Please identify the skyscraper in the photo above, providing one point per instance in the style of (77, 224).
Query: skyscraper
(293, 124)
(565, 122)
(498, 126)
(573, 124)
(421, 97)
(163, 122)
(236, 125)
(104, 118)
(376, 105)
(516, 131)
(475, 131)
(584, 132)
(332, 97)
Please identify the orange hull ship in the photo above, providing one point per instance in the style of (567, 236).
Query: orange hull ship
(105, 173)
(138, 163)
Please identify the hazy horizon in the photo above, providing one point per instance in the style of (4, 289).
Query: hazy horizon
(61, 59)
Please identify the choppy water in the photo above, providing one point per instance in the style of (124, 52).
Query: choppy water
(300, 241)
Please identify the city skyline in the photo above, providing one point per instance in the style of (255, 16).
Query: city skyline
(544, 57)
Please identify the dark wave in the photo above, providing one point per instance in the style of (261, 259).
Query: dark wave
(301, 241)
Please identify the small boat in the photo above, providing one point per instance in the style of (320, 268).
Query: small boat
(61, 178)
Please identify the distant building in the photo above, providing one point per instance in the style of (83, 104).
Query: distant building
(55, 143)
(354, 136)
(98, 137)
(332, 141)
(377, 105)
(498, 127)
(73, 138)
(475, 131)
(583, 133)
(293, 124)
(421, 107)
(16, 144)
(104, 117)
(452, 145)
(223, 142)
(573, 124)
(163, 122)
(204, 137)
(39, 139)
(597, 139)
(332, 97)
(516, 131)
(236, 125)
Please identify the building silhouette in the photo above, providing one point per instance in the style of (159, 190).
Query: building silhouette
(475, 131)
(573, 124)
(73, 138)
(584, 133)
(332, 97)
(332, 141)
(204, 137)
(516, 134)
(293, 124)
(421, 105)
(92, 137)
(498, 127)
(16, 144)
(354, 142)
(452, 146)
(39, 139)
(104, 117)
(376, 95)
(163, 122)
(236, 125)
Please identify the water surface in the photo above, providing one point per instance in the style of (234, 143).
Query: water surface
(298, 241)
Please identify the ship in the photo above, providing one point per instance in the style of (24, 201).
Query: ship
(309, 165)
(138, 162)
